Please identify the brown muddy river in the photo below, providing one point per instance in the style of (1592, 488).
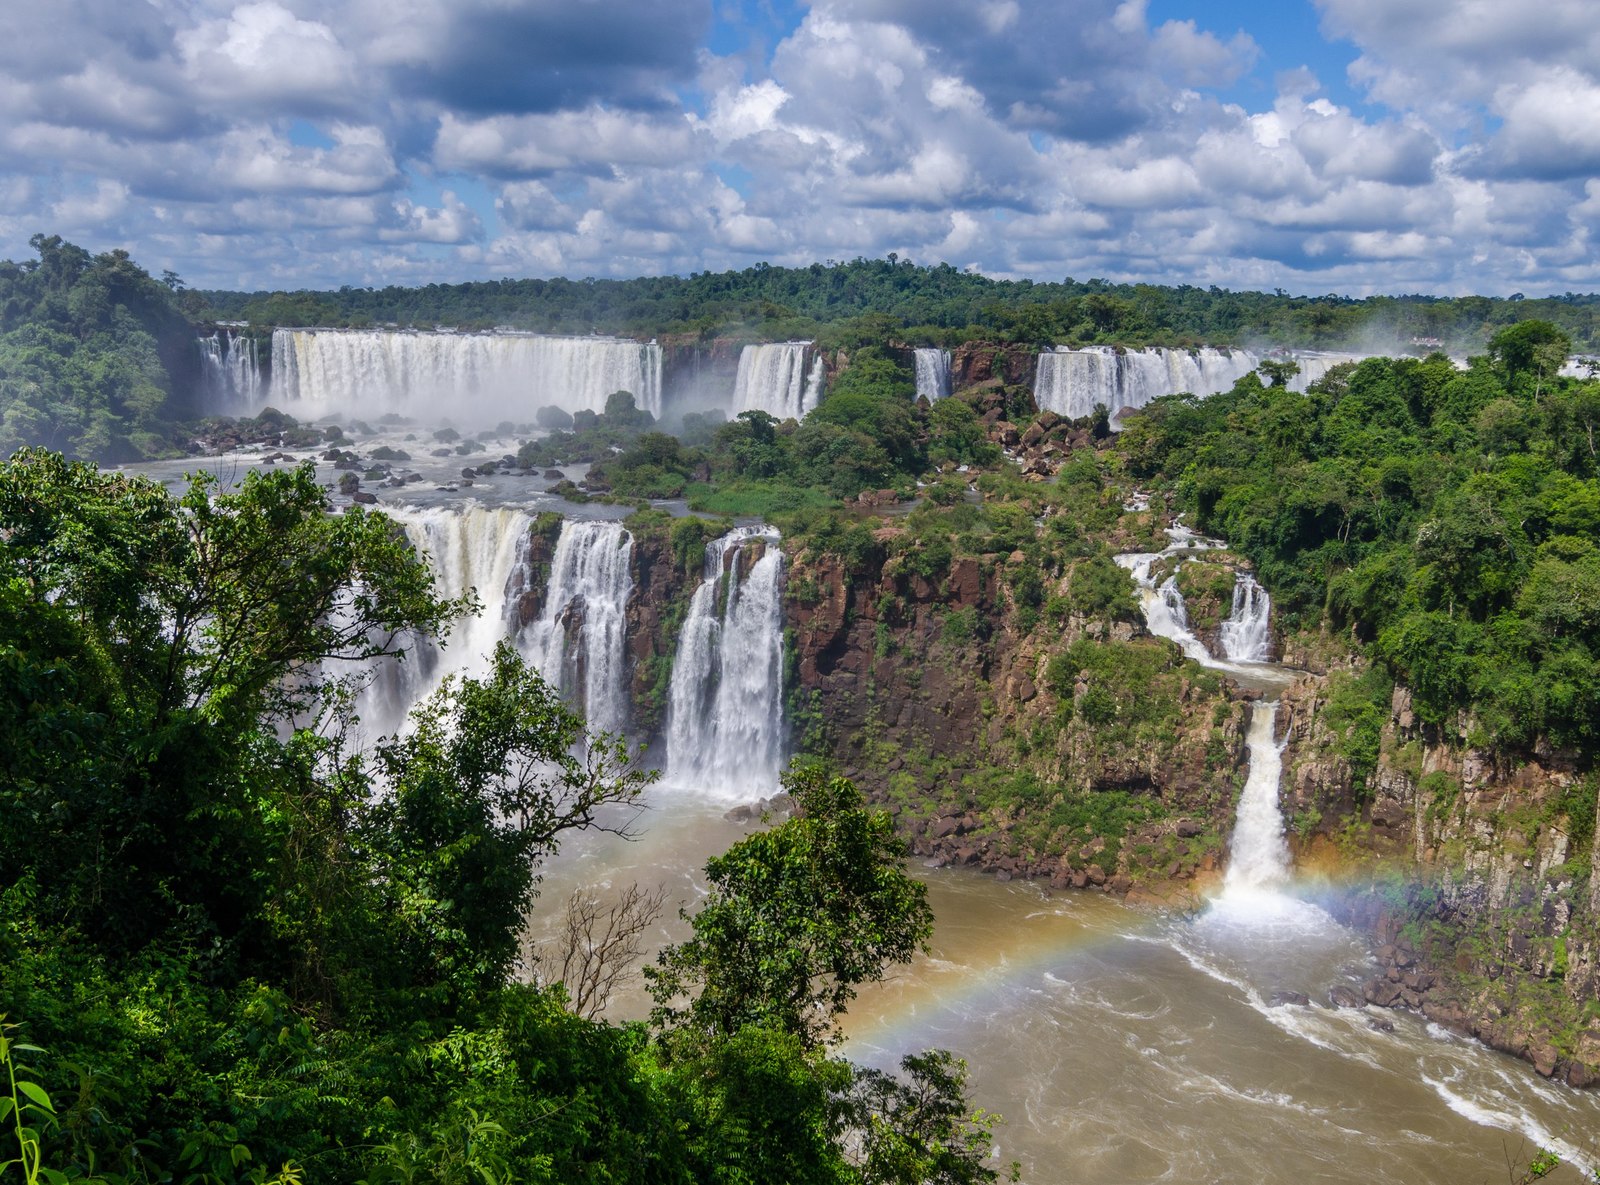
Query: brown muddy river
(1126, 1044)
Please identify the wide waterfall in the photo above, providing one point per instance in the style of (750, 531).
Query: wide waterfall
(470, 377)
(579, 643)
(1073, 383)
(468, 548)
(773, 378)
(725, 721)
(933, 373)
(230, 372)
(1247, 634)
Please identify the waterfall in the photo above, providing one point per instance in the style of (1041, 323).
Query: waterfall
(230, 372)
(579, 643)
(725, 720)
(1260, 857)
(933, 373)
(1247, 634)
(1259, 864)
(814, 381)
(1072, 383)
(1165, 614)
(773, 378)
(475, 377)
(471, 547)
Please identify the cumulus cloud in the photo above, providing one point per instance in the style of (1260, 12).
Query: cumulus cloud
(362, 141)
(507, 56)
(593, 138)
(262, 54)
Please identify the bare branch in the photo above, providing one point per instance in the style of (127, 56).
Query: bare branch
(601, 946)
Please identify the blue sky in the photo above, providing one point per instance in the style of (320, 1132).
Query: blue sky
(1352, 146)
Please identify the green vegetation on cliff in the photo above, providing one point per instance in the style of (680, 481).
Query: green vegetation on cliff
(1448, 518)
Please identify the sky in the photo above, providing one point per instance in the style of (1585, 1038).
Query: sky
(1346, 146)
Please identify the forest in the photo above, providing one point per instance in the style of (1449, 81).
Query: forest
(238, 947)
(872, 300)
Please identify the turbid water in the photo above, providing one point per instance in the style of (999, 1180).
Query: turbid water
(1129, 1044)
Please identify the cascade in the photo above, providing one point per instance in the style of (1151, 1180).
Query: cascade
(1247, 634)
(1073, 382)
(230, 370)
(470, 547)
(477, 377)
(773, 378)
(725, 720)
(1165, 614)
(1259, 859)
(579, 643)
(933, 373)
(814, 381)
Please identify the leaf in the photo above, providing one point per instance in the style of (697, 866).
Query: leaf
(36, 1092)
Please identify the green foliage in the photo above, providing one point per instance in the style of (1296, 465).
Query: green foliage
(872, 302)
(1358, 708)
(795, 918)
(95, 355)
(240, 951)
(1445, 518)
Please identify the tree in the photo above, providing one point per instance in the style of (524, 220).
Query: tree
(484, 785)
(1279, 371)
(1536, 346)
(154, 647)
(795, 919)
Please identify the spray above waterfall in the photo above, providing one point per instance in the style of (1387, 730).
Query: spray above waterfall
(725, 726)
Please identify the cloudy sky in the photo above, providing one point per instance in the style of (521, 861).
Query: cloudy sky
(1350, 146)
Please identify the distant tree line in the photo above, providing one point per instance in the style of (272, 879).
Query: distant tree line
(884, 299)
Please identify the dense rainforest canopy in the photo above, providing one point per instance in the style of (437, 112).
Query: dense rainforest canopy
(875, 300)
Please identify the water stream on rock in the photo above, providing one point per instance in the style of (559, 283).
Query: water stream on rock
(725, 723)
(773, 378)
(1247, 634)
(933, 373)
(579, 643)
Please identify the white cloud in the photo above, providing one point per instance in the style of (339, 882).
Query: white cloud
(585, 140)
(263, 53)
(355, 140)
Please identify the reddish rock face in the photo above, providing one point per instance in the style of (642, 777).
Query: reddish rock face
(976, 363)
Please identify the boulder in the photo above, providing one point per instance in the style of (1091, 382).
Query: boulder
(1341, 996)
